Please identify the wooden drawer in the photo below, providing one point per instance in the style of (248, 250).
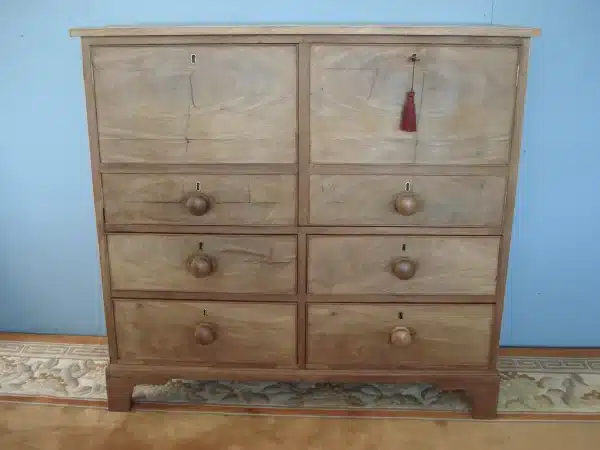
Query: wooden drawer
(206, 332)
(465, 97)
(423, 265)
(235, 264)
(391, 336)
(196, 103)
(221, 200)
(435, 200)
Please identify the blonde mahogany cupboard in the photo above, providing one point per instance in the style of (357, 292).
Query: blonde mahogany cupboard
(305, 202)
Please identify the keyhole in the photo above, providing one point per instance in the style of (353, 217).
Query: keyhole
(407, 187)
(204, 312)
(193, 58)
(400, 315)
(403, 247)
(200, 245)
(198, 186)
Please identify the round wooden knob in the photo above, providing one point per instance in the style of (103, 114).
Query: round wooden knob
(205, 334)
(401, 336)
(404, 268)
(198, 204)
(406, 204)
(201, 266)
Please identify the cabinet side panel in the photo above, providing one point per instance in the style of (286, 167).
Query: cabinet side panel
(515, 152)
(90, 97)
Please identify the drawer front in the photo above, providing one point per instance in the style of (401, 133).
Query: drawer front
(389, 336)
(464, 101)
(383, 200)
(196, 104)
(221, 200)
(207, 332)
(235, 264)
(402, 265)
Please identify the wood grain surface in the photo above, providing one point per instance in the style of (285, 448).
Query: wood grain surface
(196, 104)
(244, 264)
(249, 30)
(442, 201)
(292, 133)
(235, 199)
(313, 229)
(464, 100)
(304, 101)
(212, 168)
(246, 333)
(388, 298)
(92, 123)
(361, 264)
(279, 39)
(359, 335)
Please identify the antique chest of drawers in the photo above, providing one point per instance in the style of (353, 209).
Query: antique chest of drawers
(264, 211)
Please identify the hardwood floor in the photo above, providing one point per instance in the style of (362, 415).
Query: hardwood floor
(65, 428)
(53, 338)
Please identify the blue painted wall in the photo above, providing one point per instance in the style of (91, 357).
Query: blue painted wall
(49, 274)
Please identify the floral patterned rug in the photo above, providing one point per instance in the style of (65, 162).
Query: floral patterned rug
(66, 372)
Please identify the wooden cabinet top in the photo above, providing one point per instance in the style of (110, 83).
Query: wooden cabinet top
(380, 30)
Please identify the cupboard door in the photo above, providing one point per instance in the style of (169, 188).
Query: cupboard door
(196, 104)
(464, 98)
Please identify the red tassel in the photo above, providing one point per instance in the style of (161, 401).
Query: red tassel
(409, 115)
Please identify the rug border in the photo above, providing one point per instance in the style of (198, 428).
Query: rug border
(553, 352)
